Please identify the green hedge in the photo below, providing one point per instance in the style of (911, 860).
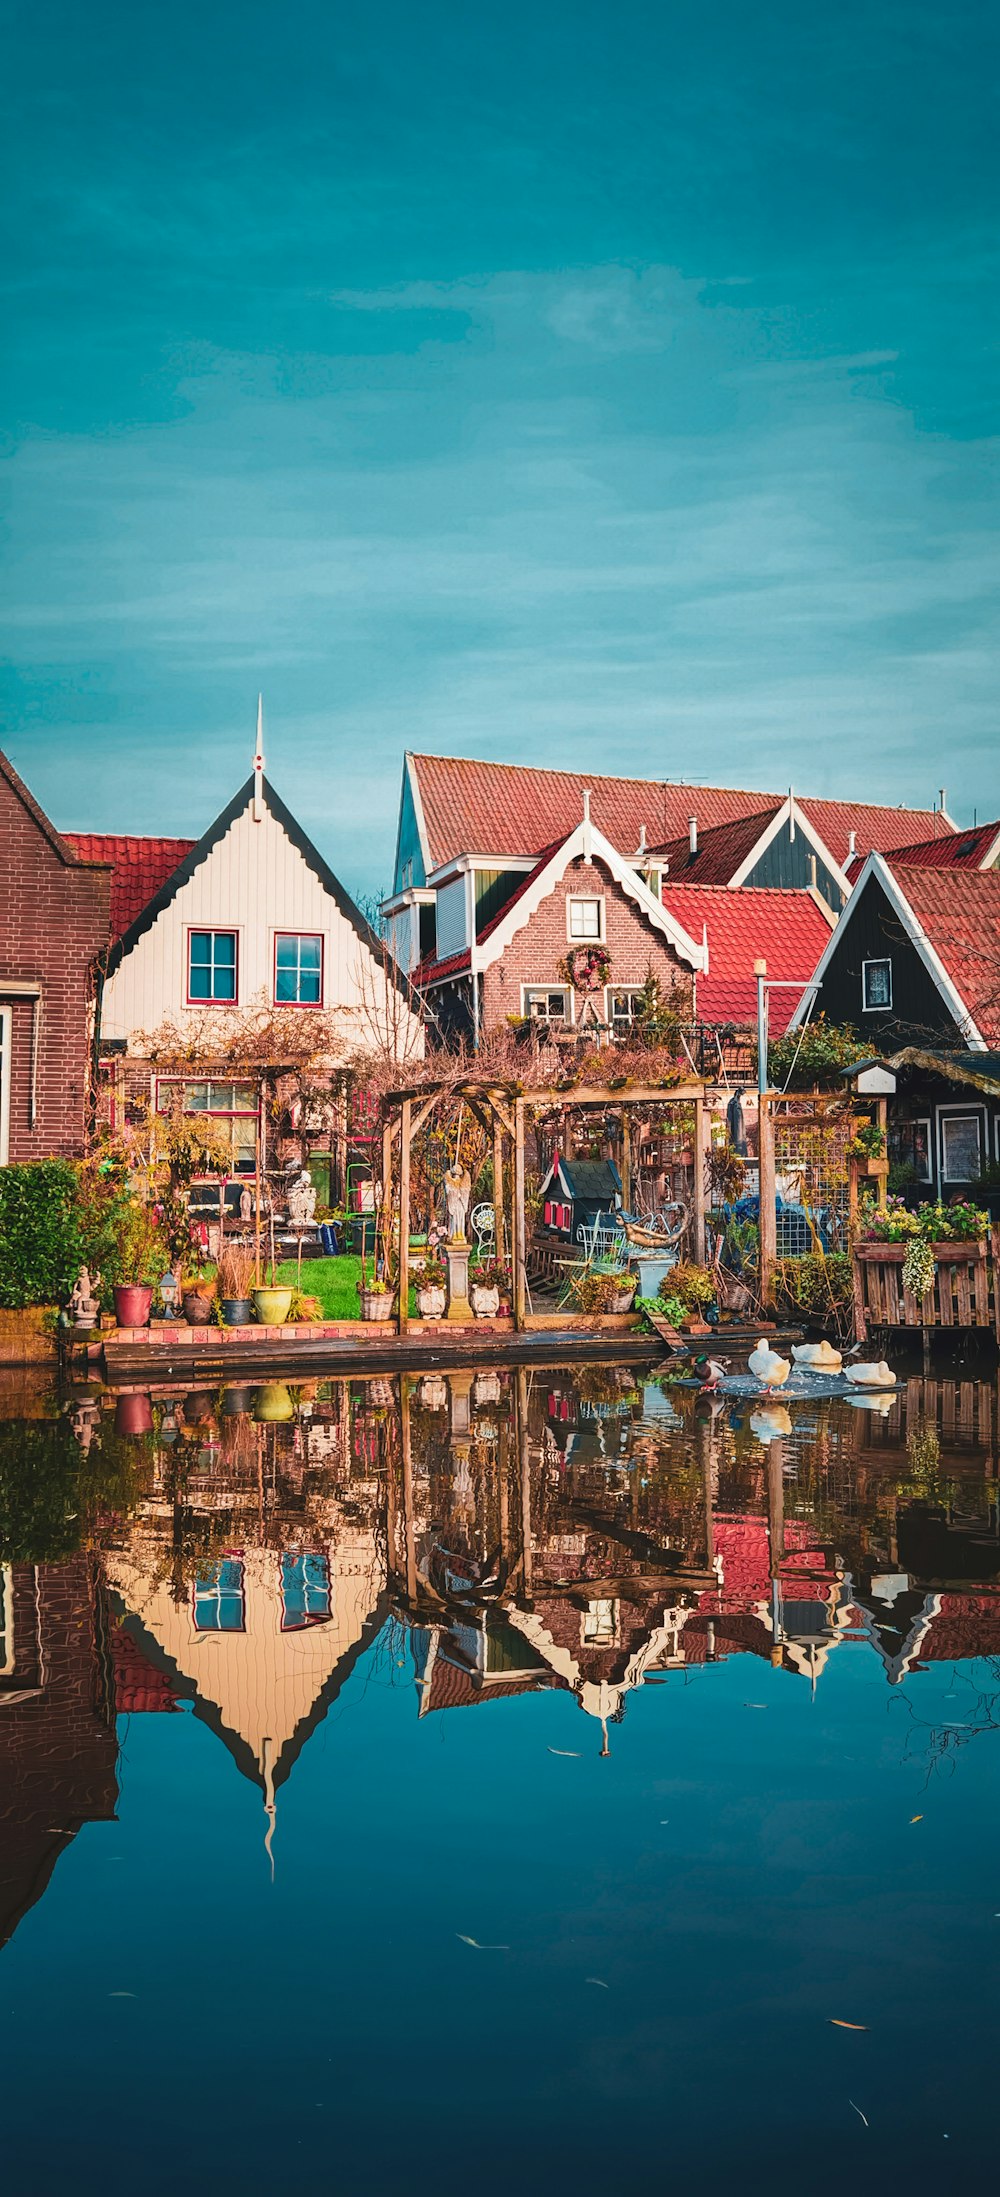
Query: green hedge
(40, 1238)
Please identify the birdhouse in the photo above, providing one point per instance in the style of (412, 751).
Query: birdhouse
(574, 1194)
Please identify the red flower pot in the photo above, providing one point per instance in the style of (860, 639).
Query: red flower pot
(132, 1304)
(133, 1415)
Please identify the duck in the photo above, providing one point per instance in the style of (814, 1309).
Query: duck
(817, 1357)
(871, 1376)
(715, 1370)
(770, 1370)
(771, 1425)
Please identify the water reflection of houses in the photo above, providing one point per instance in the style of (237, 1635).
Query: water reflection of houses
(58, 1750)
(252, 1582)
(596, 1538)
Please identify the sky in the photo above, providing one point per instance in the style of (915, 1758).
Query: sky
(611, 386)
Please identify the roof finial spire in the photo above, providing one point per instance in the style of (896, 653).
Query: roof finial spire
(258, 764)
(586, 824)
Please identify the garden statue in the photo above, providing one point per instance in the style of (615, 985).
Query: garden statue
(457, 1192)
(83, 1304)
(246, 1205)
(302, 1201)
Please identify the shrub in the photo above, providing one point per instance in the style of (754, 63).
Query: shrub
(693, 1284)
(814, 1055)
(819, 1287)
(596, 1292)
(41, 1245)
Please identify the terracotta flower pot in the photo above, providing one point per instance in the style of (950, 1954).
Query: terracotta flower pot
(197, 1306)
(431, 1302)
(236, 1311)
(272, 1306)
(133, 1414)
(132, 1303)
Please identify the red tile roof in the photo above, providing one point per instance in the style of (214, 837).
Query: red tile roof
(721, 851)
(786, 928)
(473, 807)
(140, 1689)
(959, 910)
(962, 850)
(140, 867)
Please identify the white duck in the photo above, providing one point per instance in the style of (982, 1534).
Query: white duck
(817, 1357)
(871, 1376)
(773, 1424)
(880, 1401)
(770, 1370)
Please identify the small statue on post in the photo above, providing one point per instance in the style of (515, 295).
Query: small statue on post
(83, 1304)
(457, 1193)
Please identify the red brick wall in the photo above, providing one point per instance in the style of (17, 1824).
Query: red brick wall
(59, 1758)
(54, 919)
(535, 952)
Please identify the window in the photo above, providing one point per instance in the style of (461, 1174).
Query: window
(217, 1596)
(600, 1624)
(876, 985)
(211, 966)
(961, 1147)
(910, 1145)
(305, 1591)
(227, 1101)
(623, 1005)
(543, 1004)
(585, 919)
(298, 969)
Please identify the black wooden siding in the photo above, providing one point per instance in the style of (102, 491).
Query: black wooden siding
(875, 933)
(786, 863)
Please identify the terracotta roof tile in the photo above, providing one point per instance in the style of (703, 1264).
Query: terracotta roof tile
(785, 927)
(721, 851)
(473, 807)
(140, 867)
(960, 912)
(962, 850)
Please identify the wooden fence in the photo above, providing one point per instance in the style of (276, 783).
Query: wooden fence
(965, 1291)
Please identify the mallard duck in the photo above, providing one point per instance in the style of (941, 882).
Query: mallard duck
(713, 1371)
(817, 1357)
(770, 1370)
(871, 1376)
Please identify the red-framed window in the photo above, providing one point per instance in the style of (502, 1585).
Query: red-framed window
(236, 1104)
(298, 969)
(212, 968)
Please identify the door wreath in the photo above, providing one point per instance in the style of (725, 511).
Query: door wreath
(587, 968)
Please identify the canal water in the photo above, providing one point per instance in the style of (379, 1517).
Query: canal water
(539, 1782)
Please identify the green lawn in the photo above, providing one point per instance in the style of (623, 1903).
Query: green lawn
(333, 1281)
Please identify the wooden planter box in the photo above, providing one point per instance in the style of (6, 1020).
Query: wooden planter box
(964, 1292)
(871, 1170)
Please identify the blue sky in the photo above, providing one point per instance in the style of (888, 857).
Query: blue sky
(602, 385)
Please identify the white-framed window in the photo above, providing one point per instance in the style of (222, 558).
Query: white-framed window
(547, 1003)
(305, 1589)
(234, 1103)
(876, 985)
(623, 1003)
(585, 920)
(600, 1624)
(960, 1135)
(212, 968)
(910, 1142)
(298, 969)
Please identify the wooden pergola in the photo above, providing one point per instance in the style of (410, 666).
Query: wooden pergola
(500, 1110)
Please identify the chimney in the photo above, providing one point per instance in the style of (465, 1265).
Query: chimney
(852, 845)
(642, 841)
(586, 824)
(812, 871)
(693, 834)
(941, 798)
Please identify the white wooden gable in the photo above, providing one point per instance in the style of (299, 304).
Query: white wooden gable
(256, 874)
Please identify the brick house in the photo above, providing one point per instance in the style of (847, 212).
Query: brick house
(740, 876)
(54, 933)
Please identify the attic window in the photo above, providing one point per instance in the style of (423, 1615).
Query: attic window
(585, 919)
(211, 967)
(876, 985)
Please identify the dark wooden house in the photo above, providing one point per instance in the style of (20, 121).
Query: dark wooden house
(915, 959)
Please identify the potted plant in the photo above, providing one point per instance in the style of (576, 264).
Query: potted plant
(595, 1292)
(198, 1296)
(867, 1150)
(694, 1286)
(234, 1282)
(490, 1283)
(376, 1294)
(139, 1257)
(626, 1285)
(429, 1282)
(272, 1302)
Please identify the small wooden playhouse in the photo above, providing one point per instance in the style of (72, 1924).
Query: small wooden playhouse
(574, 1194)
